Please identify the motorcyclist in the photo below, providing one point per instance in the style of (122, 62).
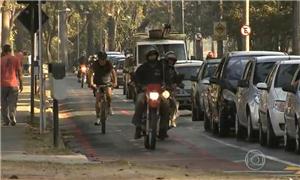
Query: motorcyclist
(103, 74)
(151, 72)
(82, 62)
(172, 80)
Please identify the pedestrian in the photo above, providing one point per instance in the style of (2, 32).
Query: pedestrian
(11, 84)
(210, 55)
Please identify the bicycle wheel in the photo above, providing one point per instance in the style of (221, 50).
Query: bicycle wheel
(103, 116)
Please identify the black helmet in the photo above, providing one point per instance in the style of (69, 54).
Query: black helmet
(102, 55)
(152, 52)
(171, 56)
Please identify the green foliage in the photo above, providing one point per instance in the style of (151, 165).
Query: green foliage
(271, 22)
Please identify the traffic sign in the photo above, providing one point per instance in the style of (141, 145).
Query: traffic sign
(25, 17)
(245, 30)
(220, 31)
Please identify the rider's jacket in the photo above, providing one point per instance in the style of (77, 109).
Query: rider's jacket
(102, 74)
(149, 73)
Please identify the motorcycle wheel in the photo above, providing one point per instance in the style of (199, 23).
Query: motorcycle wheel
(82, 82)
(150, 139)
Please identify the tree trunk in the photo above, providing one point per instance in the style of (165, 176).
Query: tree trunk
(5, 25)
(90, 35)
(111, 24)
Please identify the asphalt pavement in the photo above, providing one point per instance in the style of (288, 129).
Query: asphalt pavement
(188, 145)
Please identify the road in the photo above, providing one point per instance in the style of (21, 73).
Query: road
(188, 145)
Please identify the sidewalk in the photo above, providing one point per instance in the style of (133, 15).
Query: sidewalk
(13, 138)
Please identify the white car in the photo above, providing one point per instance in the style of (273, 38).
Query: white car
(272, 102)
(292, 114)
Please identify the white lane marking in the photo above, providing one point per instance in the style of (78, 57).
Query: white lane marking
(246, 150)
(238, 161)
(261, 172)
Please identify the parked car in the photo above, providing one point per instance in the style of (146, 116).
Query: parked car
(224, 86)
(119, 71)
(292, 114)
(183, 95)
(256, 70)
(272, 102)
(199, 89)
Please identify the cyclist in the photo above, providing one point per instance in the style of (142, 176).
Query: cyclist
(104, 74)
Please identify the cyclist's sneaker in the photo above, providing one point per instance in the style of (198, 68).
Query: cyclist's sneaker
(98, 122)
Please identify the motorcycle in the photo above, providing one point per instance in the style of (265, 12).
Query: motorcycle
(151, 121)
(83, 77)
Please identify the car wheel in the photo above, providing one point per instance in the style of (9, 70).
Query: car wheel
(250, 131)
(288, 142)
(271, 138)
(194, 112)
(238, 129)
(261, 135)
(298, 138)
(222, 127)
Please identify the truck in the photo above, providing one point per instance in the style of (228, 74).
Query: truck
(159, 39)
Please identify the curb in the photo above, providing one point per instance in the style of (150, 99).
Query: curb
(62, 159)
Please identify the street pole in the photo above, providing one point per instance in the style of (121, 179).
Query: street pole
(55, 122)
(182, 13)
(247, 38)
(42, 118)
(78, 50)
(296, 39)
(220, 42)
(32, 66)
(171, 13)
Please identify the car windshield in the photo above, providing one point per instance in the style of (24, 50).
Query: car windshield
(285, 75)
(261, 71)
(162, 48)
(235, 68)
(188, 71)
(209, 70)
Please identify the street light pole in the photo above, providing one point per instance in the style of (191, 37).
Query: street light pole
(296, 39)
(182, 13)
(247, 38)
(78, 50)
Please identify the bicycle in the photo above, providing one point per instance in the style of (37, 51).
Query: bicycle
(104, 106)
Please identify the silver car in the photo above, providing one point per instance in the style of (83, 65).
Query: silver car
(256, 70)
(292, 114)
(272, 102)
(183, 95)
(201, 87)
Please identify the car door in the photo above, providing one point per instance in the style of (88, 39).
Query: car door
(292, 101)
(243, 94)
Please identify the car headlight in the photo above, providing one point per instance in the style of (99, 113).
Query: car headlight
(166, 94)
(257, 98)
(153, 95)
(279, 106)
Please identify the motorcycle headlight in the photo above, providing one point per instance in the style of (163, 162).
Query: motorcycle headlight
(83, 69)
(153, 95)
(279, 106)
(166, 94)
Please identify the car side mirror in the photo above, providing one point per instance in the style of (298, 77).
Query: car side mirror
(290, 88)
(194, 78)
(243, 83)
(262, 86)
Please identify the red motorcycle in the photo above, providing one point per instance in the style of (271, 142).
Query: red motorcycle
(151, 121)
